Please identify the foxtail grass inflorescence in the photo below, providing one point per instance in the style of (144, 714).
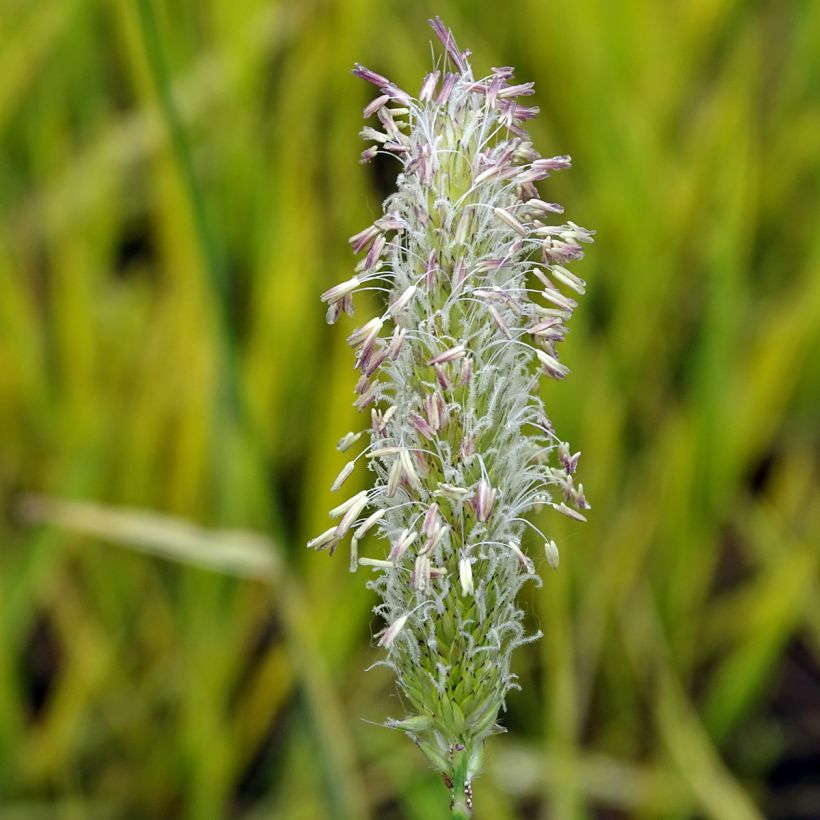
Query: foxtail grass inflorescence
(459, 441)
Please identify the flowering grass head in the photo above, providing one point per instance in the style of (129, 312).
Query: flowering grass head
(479, 294)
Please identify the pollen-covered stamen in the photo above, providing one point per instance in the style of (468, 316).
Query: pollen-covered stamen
(393, 478)
(483, 501)
(553, 163)
(467, 449)
(505, 216)
(558, 299)
(460, 269)
(371, 76)
(551, 552)
(492, 264)
(338, 292)
(429, 86)
(368, 133)
(396, 148)
(524, 559)
(379, 420)
(362, 239)
(391, 222)
(569, 279)
(372, 107)
(430, 270)
(398, 94)
(522, 89)
(575, 495)
(342, 508)
(545, 207)
(385, 116)
(448, 355)
(497, 171)
(343, 476)
(526, 177)
(369, 523)
(363, 385)
(375, 361)
(448, 41)
(366, 398)
(434, 539)
(376, 563)
(368, 154)
(557, 252)
(375, 252)
(381, 452)
(513, 114)
(442, 378)
(401, 546)
(421, 573)
(421, 425)
(368, 343)
(491, 294)
(403, 301)
(446, 89)
(432, 409)
(451, 491)
(324, 540)
(352, 514)
(396, 342)
(409, 470)
(431, 520)
(550, 331)
(347, 441)
(502, 325)
(569, 512)
(569, 462)
(551, 365)
(443, 410)
(550, 313)
(389, 634)
(465, 576)
(366, 333)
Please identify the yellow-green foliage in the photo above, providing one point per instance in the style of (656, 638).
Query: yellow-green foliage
(177, 183)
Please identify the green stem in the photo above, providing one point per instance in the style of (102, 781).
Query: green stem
(461, 806)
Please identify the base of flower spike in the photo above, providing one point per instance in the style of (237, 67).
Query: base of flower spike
(461, 803)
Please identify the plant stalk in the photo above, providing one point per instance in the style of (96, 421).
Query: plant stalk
(461, 805)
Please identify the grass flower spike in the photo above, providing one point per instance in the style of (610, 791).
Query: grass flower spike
(460, 445)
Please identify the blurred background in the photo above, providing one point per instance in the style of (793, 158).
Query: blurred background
(177, 184)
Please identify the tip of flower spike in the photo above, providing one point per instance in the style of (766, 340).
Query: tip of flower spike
(448, 41)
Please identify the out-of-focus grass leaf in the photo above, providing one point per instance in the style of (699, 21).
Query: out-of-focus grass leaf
(244, 554)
